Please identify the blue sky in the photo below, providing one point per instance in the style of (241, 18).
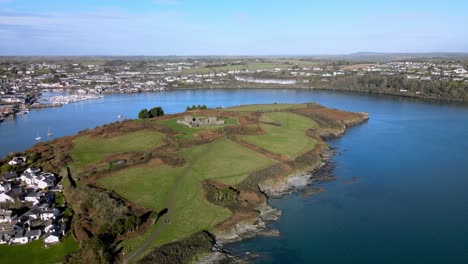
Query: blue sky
(230, 27)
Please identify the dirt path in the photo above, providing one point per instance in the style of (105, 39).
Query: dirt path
(164, 221)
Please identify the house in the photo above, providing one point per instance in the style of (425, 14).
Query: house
(5, 198)
(49, 213)
(5, 216)
(28, 177)
(10, 176)
(4, 237)
(33, 213)
(18, 237)
(460, 71)
(34, 170)
(17, 161)
(5, 187)
(41, 181)
(52, 238)
(32, 197)
(15, 192)
(51, 228)
(33, 234)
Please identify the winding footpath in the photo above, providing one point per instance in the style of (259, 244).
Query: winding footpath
(164, 221)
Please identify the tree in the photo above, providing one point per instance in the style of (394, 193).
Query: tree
(143, 114)
(156, 111)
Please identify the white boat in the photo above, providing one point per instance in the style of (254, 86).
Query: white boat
(119, 116)
(50, 133)
(38, 138)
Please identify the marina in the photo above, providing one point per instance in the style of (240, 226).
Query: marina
(66, 99)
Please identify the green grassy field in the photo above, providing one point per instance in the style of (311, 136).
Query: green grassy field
(186, 132)
(35, 252)
(89, 151)
(265, 107)
(222, 160)
(146, 185)
(253, 65)
(289, 138)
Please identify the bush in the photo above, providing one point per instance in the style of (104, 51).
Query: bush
(143, 114)
(153, 112)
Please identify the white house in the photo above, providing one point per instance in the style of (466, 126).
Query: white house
(17, 161)
(41, 181)
(52, 238)
(33, 197)
(47, 214)
(5, 216)
(5, 198)
(34, 170)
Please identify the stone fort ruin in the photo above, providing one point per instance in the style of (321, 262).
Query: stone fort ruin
(193, 121)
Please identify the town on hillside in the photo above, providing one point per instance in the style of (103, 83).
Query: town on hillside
(23, 81)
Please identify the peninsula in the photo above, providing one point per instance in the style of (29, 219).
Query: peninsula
(171, 188)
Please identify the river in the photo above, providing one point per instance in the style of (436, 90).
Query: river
(400, 194)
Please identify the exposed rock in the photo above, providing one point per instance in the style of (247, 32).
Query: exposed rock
(217, 257)
(243, 230)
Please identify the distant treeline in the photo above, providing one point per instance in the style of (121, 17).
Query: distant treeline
(385, 84)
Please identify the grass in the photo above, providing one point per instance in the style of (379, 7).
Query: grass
(144, 184)
(222, 160)
(265, 107)
(186, 132)
(150, 186)
(35, 252)
(89, 151)
(289, 138)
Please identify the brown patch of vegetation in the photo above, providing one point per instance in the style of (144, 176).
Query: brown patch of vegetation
(260, 150)
(238, 216)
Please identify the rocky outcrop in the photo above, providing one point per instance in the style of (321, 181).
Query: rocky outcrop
(247, 229)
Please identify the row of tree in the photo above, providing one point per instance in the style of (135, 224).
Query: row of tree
(153, 112)
(196, 107)
(376, 83)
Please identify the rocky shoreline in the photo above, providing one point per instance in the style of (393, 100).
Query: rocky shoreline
(319, 172)
(246, 230)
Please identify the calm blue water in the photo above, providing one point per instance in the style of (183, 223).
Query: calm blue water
(400, 197)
